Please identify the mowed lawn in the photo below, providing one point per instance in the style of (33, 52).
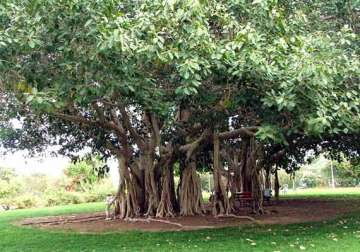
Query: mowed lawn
(342, 234)
(324, 193)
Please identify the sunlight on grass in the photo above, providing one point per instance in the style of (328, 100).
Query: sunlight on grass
(342, 233)
(331, 193)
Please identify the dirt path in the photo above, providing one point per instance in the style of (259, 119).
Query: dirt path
(284, 212)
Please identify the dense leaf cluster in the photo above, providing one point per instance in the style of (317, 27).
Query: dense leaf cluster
(70, 70)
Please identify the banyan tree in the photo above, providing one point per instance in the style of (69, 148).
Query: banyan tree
(171, 87)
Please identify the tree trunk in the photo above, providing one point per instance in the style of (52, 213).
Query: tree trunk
(220, 201)
(167, 205)
(173, 194)
(151, 186)
(190, 199)
(245, 171)
(127, 204)
(257, 192)
(276, 185)
(234, 176)
(237, 173)
(254, 166)
(267, 178)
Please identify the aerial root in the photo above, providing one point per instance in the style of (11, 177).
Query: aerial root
(237, 217)
(167, 222)
(64, 221)
(148, 220)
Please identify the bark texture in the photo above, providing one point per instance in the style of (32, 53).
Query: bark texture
(276, 185)
(220, 200)
(191, 202)
(127, 204)
(151, 186)
(167, 207)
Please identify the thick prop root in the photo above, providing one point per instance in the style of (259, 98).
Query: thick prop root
(166, 208)
(191, 202)
(221, 203)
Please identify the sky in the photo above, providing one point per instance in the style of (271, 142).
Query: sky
(43, 163)
(24, 165)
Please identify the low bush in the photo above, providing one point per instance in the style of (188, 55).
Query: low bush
(19, 193)
(23, 201)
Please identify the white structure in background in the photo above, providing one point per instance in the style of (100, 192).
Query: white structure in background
(332, 174)
(114, 171)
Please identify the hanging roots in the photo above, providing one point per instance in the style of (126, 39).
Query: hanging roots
(166, 208)
(191, 202)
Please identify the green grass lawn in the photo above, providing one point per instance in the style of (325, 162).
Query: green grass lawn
(325, 193)
(341, 234)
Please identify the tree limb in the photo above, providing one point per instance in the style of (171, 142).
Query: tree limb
(139, 140)
(192, 147)
(75, 119)
(245, 132)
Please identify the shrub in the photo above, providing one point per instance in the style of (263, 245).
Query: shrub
(23, 201)
(99, 191)
(39, 190)
(311, 181)
(84, 174)
(9, 189)
(63, 197)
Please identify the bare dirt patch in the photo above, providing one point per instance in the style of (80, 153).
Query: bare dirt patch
(283, 212)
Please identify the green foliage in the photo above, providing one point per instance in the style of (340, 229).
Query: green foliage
(6, 174)
(9, 185)
(39, 190)
(23, 201)
(78, 68)
(8, 189)
(274, 58)
(272, 134)
(347, 173)
(318, 174)
(61, 196)
(207, 182)
(311, 181)
(303, 179)
(84, 173)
